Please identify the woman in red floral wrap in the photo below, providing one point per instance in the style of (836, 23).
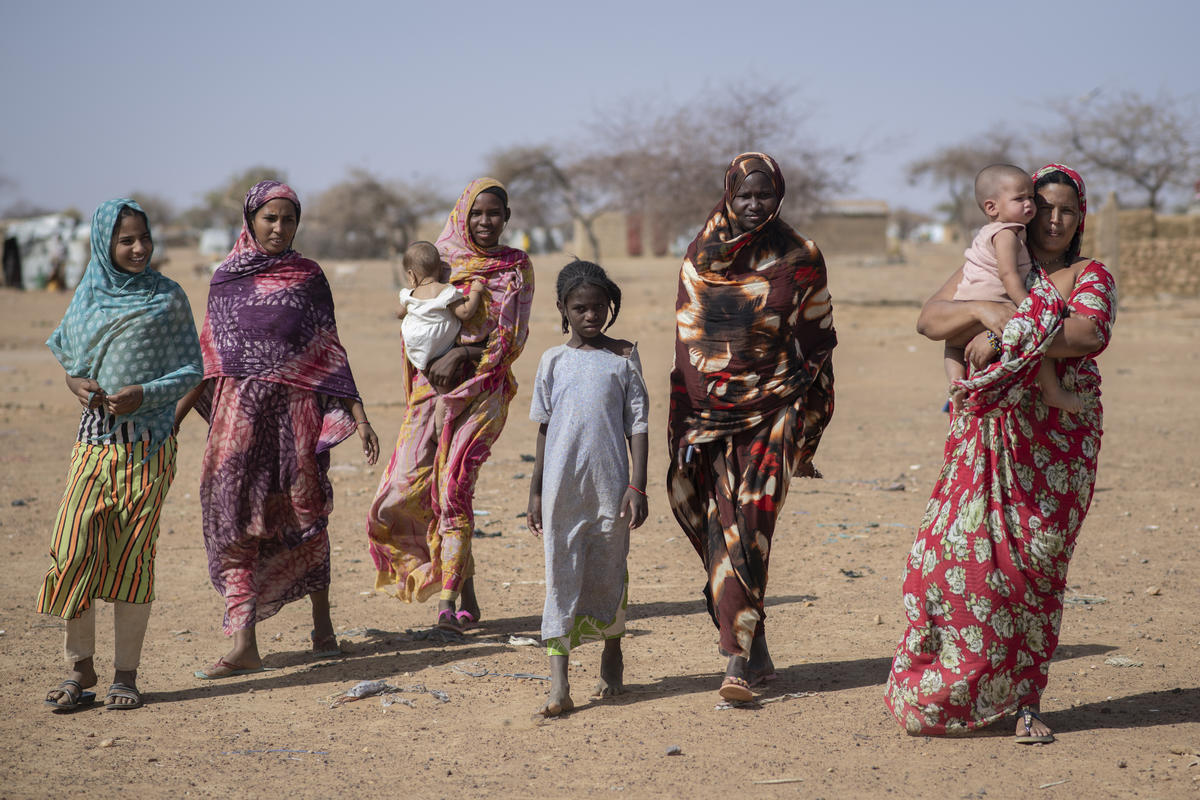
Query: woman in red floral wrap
(985, 578)
(751, 394)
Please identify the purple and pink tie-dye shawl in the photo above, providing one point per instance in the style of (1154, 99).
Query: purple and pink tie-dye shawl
(270, 317)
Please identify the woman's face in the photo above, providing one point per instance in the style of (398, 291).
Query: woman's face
(485, 221)
(753, 202)
(274, 225)
(132, 245)
(1056, 220)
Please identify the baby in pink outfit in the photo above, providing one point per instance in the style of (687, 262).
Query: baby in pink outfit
(997, 266)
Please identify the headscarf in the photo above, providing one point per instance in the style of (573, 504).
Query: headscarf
(270, 317)
(754, 322)
(125, 329)
(1076, 179)
(503, 322)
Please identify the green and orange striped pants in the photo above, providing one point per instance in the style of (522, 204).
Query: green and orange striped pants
(106, 532)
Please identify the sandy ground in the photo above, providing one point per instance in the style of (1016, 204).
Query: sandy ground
(834, 608)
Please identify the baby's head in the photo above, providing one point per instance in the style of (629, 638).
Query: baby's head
(422, 261)
(1005, 194)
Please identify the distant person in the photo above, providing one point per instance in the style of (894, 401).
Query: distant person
(433, 312)
(129, 348)
(12, 263)
(278, 395)
(422, 519)
(984, 580)
(591, 403)
(751, 394)
(997, 265)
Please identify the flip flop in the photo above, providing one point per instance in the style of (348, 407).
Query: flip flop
(448, 621)
(1027, 715)
(763, 679)
(125, 691)
(234, 669)
(736, 689)
(466, 620)
(73, 697)
(329, 652)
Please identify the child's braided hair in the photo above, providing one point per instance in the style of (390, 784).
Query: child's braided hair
(580, 273)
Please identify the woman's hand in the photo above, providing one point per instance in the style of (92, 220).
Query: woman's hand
(979, 351)
(446, 371)
(533, 514)
(88, 392)
(635, 506)
(943, 318)
(994, 316)
(370, 442)
(126, 401)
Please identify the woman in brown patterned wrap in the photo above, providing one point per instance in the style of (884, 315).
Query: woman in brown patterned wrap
(751, 394)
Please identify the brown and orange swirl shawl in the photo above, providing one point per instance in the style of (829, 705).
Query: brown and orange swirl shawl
(754, 325)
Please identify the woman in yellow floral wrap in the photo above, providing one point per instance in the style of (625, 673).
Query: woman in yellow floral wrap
(421, 522)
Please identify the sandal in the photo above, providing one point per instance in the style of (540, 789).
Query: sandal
(448, 621)
(736, 689)
(1027, 716)
(72, 697)
(125, 692)
(466, 620)
(329, 647)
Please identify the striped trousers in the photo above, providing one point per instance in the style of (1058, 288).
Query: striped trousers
(106, 531)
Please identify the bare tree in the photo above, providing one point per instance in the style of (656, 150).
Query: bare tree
(1146, 143)
(157, 208)
(955, 167)
(551, 188)
(670, 163)
(223, 205)
(362, 217)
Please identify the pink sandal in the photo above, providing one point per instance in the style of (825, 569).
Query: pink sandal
(448, 621)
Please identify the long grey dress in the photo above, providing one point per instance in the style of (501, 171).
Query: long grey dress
(591, 401)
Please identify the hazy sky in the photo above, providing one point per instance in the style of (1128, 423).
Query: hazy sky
(100, 99)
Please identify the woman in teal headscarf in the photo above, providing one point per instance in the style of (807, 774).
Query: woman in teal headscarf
(129, 347)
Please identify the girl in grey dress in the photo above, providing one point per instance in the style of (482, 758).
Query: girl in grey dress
(591, 403)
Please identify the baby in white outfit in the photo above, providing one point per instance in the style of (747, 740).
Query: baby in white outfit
(432, 311)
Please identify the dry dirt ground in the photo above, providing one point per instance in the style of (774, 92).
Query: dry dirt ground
(834, 608)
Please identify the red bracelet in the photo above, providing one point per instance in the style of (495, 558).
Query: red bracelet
(639, 491)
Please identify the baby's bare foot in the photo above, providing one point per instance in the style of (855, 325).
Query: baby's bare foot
(1063, 400)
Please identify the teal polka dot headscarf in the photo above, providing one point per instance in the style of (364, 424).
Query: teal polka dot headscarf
(123, 329)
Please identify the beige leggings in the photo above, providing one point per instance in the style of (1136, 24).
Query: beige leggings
(129, 630)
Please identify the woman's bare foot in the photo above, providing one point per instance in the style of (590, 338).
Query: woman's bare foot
(612, 670)
(324, 639)
(559, 701)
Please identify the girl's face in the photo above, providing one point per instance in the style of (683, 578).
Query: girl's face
(485, 221)
(274, 225)
(753, 202)
(1056, 220)
(132, 245)
(586, 310)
